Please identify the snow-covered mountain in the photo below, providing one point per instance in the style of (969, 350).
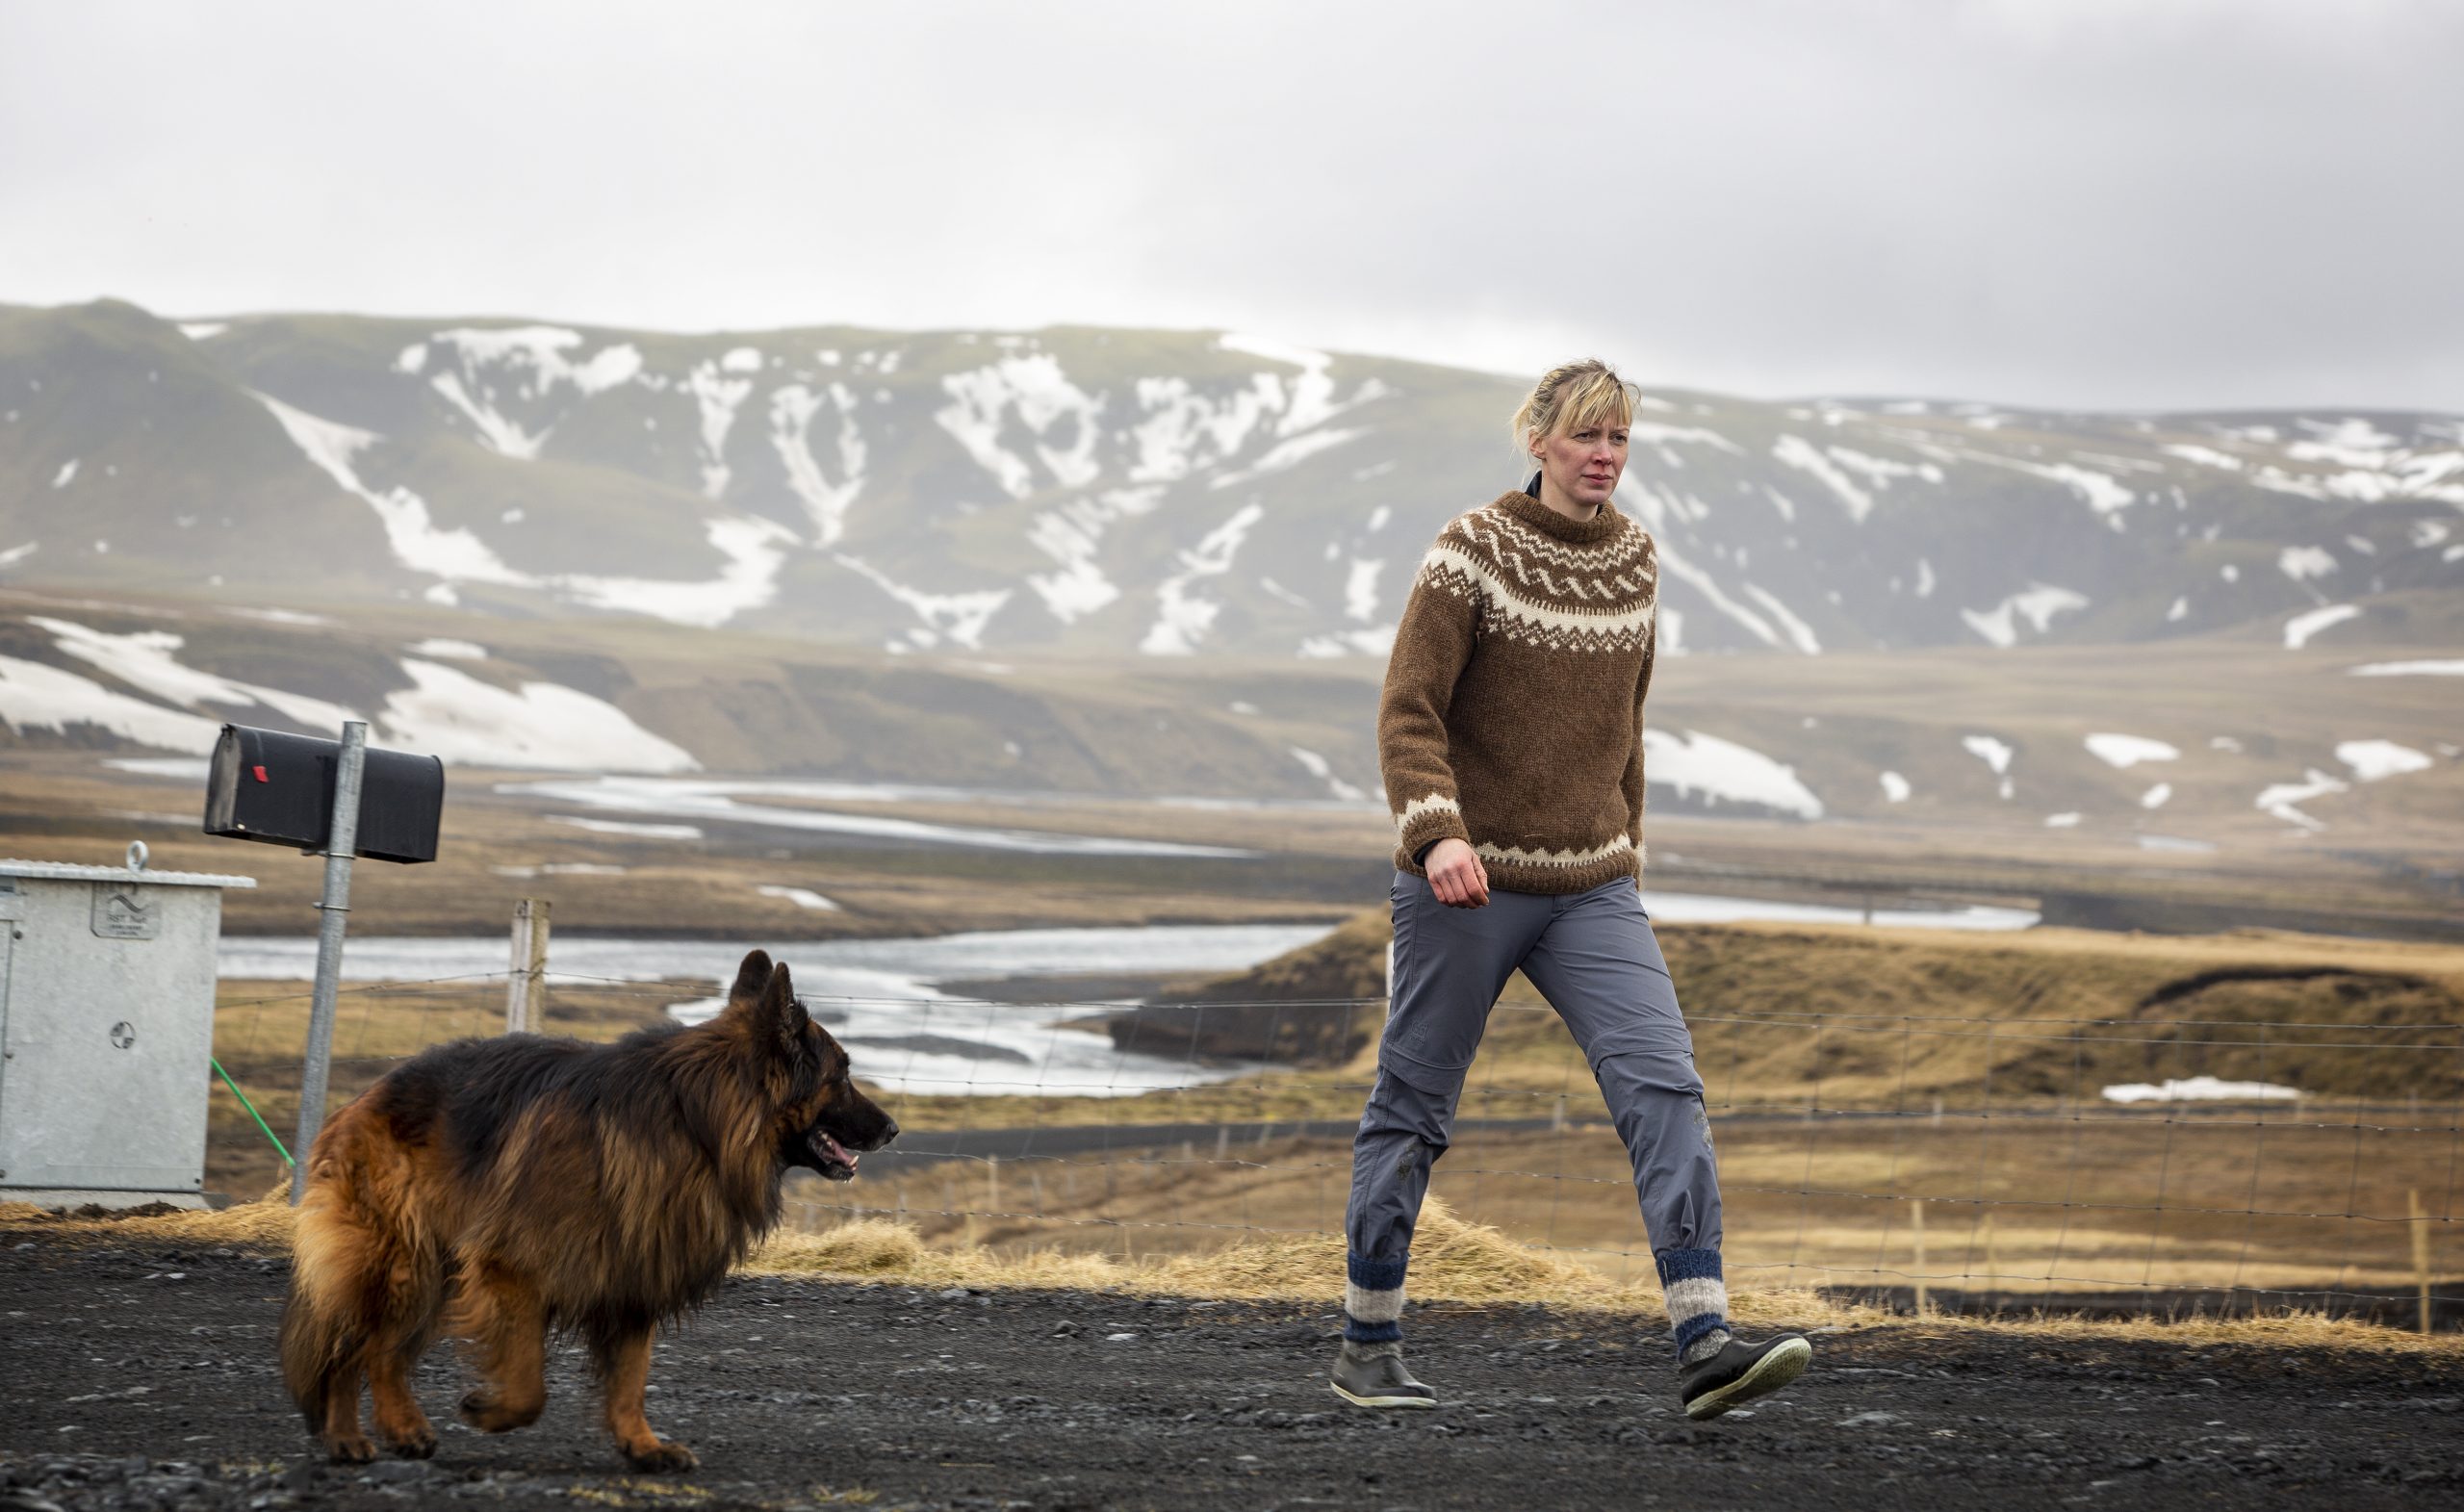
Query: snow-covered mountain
(1164, 493)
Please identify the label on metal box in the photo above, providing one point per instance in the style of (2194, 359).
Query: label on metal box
(121, 911)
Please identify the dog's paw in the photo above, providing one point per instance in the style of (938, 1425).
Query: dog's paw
(350, 1449)
(420, 1444)
(661, 1456)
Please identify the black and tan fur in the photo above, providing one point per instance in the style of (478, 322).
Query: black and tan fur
(501, 1189)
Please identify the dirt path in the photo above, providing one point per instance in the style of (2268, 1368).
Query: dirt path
(144, 1379)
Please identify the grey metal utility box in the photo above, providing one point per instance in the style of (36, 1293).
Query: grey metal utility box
(106, 1031)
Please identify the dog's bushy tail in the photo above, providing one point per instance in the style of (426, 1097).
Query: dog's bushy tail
(363, 1274)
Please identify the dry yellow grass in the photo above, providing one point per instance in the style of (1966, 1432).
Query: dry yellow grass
(1453, 1262)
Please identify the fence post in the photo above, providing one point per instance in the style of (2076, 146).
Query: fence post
(525, 991)
(1916, 1231)
(2421, 1253)
(333, 912)
(1991, 1280)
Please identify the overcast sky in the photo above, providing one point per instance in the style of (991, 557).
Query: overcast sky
(2089, 203)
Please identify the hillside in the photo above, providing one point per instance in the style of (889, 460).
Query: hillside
(1146, 493)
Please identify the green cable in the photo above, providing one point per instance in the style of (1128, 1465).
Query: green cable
(252, 1110)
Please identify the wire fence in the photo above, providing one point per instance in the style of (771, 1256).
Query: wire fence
(1985, 1164)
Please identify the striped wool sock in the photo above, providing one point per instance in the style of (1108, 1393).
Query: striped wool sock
(1372, 1299)
(1698, 1301)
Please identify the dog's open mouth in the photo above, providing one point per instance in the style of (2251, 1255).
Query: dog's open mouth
(837, 1161)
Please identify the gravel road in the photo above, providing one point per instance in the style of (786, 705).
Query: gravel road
(145, 1380)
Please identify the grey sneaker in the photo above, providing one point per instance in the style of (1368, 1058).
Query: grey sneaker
(1373, 1376)
(1740, 1372)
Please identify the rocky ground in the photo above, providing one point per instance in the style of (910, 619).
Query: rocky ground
(145, 1380)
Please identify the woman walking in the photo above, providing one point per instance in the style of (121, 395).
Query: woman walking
(1509, 736)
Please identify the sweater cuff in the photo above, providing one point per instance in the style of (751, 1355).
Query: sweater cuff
(1426, 820)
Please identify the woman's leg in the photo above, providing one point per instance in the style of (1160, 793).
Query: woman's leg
(1449, 965)
(1599, 966)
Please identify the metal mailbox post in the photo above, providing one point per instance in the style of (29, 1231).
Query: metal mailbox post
(106, 1031)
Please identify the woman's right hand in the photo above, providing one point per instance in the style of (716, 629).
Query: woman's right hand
(1456, 876)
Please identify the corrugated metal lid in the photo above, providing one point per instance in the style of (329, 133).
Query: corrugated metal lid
(69, 871)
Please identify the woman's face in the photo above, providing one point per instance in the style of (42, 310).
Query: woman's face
(1584, 462)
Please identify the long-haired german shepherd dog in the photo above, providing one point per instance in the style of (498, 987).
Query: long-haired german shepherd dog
(538, 1184)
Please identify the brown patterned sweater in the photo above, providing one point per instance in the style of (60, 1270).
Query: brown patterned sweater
(1512, 716)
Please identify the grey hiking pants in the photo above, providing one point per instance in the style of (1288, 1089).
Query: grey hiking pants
(1593, 957)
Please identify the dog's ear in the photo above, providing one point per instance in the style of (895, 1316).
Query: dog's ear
(778, 1017)
(751, 977)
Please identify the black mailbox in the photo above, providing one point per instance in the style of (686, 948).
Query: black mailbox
(268, 785)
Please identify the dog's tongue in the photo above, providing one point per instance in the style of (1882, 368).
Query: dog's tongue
(834, 1150)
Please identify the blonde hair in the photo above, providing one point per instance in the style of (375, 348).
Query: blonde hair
(1571, 396)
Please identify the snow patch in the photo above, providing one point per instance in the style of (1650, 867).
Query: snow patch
(2157, 796)
(1183, 619)
(1185, 428)
(1666, 438)
(755, 549)
(1993, 753)
(2198, 1088)
(34, 696)
(1800, 633)
(1701, 583)
(144, 660)
(2281, 799)
(416, 540)
(627, 827)
(717, 398)
(452, 716)
(1320, 769)
(2124, 752)
(66, 475)
(2099, 491)
(450, 650)
(2204, 456)
(2300, 562)
(1895, 788)
(1313, 391)
(1034, 389)
(203, 330)
(1378, 640)
(2298, 629)
(534, 360)
(959, 616)
(1722, 771)
(801, 897)
(792, 408)
(2374, 669)
(1287, 454)
(1794, 450)
(2374, 759)
(1360, 588)
(2062, 821)
(1072, 535)
(2038, 603)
